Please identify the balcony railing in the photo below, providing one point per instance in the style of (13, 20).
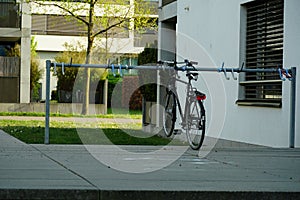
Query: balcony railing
(9, 15)
(9, 66)
(9, 79)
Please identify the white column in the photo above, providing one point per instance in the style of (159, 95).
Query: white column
(166, 51)
(25, 54)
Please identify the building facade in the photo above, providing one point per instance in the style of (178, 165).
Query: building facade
(255, 108)
(52, 30)
(15, 28)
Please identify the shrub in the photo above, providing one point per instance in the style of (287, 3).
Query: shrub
(148, 57)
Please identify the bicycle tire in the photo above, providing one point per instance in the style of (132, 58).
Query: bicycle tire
(195, 124)
(169, 114)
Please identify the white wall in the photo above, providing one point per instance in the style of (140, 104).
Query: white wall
(209, 32)
(291, 51)
(43, 56)
(52, 43)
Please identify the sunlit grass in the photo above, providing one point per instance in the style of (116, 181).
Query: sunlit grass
(111, 113)
(68, 132)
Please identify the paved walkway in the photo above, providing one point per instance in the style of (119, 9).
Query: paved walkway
(72, 172)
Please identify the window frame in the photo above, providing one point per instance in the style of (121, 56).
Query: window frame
(261, 89)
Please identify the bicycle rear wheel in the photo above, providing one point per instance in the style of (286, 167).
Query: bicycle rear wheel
(169, 114)
(195, 124)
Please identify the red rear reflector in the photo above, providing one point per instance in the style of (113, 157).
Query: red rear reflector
(201, 97)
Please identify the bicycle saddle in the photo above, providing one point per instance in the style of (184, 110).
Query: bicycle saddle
(192, 73)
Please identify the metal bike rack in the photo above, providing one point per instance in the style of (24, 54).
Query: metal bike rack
(284, 74)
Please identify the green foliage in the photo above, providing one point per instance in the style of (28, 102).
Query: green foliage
(15, 51)
(77, 54)
(35, 72)
(112, 82)
(148, 57)
(35, 76)
(142, 12)
(66, 81)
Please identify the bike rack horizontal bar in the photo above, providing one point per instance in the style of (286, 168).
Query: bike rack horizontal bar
(158, 67)
(282, 73)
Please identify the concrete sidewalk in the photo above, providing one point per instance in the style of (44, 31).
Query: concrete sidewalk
(72, 172)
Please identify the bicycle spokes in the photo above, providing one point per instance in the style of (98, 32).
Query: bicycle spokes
(195, 124)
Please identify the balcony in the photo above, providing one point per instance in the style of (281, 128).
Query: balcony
(9, 79)
(9, 15)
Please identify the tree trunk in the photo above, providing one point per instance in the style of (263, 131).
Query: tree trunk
(86, 99)
(87, 74)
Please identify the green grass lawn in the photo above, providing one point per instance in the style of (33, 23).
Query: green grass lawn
(32, 132)
(116, 113)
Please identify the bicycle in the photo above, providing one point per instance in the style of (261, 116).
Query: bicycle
(193, 118)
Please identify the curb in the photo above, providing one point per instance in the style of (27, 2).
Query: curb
(50, 194)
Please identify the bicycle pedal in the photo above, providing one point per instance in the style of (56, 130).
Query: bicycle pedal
(177, 132)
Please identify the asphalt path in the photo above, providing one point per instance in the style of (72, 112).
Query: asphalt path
(138, 172)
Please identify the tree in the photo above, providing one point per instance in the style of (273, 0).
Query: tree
(100, 17)
(35, 72)
(66, 81)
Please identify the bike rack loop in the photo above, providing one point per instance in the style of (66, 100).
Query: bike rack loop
(283, 77)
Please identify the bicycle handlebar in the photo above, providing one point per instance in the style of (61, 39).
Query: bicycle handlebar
(186, 64)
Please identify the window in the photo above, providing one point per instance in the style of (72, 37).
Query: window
(9, 14)
(60, 25)
(263, 49)
(56, 25)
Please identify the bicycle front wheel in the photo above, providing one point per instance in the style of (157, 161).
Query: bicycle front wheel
(169, 114)
(195, 124)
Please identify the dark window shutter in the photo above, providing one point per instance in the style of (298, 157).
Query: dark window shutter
(264, 49)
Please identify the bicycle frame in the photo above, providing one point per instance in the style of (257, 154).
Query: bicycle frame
(190, 92)
(193, 114)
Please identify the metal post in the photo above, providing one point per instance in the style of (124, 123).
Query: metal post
(158, 110)
(48, 65)
(293, 108)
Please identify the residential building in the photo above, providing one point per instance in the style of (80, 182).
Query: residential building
(52, 30)
(257, 107)
(15, 27)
